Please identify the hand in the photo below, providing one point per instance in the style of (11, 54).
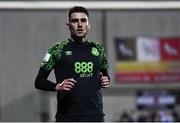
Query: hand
(105, 82)
(66, 85)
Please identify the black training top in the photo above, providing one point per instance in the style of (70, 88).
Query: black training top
(83, 62)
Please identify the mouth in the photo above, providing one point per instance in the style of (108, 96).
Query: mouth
(80, 30)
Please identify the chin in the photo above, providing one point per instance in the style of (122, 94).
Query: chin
(80, 36)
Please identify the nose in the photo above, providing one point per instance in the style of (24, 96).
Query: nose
(79, 23)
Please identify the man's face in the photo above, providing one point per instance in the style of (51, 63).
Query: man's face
(79, 24)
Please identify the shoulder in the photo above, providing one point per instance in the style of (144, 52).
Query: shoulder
(58, 46)
(97, 45)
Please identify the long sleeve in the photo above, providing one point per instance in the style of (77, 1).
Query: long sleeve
(42, 83)
(104, 63)
(105, 73)
(47, 65)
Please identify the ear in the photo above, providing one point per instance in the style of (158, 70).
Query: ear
(67, 25)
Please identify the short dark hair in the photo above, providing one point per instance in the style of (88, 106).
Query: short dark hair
(77, 9)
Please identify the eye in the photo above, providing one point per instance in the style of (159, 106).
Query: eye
(83, 20)
(74, 20)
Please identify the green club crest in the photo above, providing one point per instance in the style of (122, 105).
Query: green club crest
(94, 51)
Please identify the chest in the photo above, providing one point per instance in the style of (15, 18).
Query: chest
(85, 56)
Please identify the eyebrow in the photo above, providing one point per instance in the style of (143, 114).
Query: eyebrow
(76, 20)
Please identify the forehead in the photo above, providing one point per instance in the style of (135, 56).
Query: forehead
(78, 15)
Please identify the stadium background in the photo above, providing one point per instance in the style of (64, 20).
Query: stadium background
(26, 33)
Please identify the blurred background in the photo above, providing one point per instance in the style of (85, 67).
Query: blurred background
(142, 41)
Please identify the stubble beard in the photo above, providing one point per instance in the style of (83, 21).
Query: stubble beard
(77, 38)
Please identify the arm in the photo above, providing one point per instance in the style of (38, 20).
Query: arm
(105, 79)
(42, 83)
(48, 63)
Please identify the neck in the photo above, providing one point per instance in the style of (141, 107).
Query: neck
(78, 39)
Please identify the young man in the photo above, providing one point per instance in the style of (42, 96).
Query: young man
(80, 68)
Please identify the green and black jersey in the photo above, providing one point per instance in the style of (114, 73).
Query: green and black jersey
(83, 62)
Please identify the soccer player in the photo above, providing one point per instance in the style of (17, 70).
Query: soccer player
(80, 68)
